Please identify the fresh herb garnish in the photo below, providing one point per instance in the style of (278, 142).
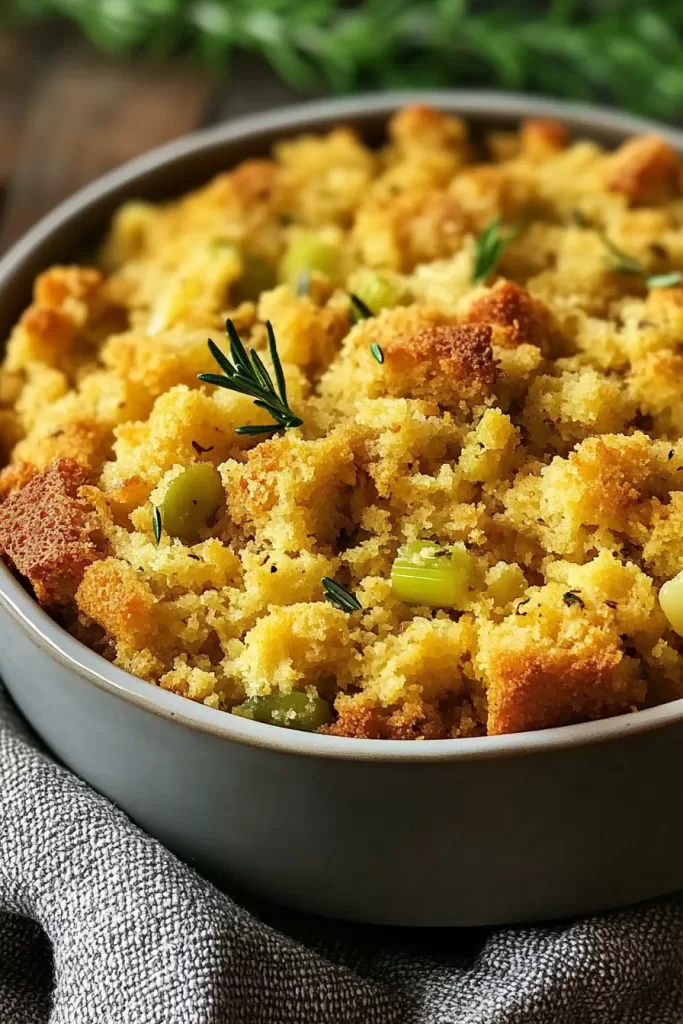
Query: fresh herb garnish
(250, 377)
(571, 597)
(622, 263)
(363, 311)
(339, 596)
(618, 260)
(664, 280)
(156, 523)
(377, 352)
(489, 248)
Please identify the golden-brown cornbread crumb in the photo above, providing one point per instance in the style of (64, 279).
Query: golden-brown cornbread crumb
(542, 137)
(113, 594)
(423, 126)
(534, 419)
(537, 689)
(516, 318)
(401, 231)
(46, 531)
(290, 490)
(442, 363)
(645, 170)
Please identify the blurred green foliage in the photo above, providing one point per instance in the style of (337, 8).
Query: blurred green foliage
(621, 51)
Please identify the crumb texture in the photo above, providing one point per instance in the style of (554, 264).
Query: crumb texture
(534, 418)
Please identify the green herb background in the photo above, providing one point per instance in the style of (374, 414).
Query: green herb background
(618, 51)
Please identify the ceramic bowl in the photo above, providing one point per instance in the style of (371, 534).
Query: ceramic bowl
(443, 832)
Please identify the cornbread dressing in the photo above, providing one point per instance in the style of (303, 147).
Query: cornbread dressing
(532, 422)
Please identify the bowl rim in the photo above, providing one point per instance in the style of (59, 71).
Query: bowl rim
(58, 644)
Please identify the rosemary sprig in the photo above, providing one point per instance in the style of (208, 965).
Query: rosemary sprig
(156, 523)
(247, 375)
(489, 247)
(340, 596)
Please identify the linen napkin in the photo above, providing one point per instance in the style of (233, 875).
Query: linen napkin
(99, 924)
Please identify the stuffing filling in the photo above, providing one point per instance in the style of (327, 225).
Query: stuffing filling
(453, 509)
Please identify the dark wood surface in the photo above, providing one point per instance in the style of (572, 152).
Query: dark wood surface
(68, 114)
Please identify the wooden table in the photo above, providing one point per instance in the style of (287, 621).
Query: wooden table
(68, 114)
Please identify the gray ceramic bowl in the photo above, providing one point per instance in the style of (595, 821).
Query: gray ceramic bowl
(445, 832)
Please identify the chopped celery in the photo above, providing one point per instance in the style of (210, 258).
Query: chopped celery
(257, 276)
(292, 710)
(425, 573)
(308, 252)
(671, 600)
(191, 500)
(375, 290)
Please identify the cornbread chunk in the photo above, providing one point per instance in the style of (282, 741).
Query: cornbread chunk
(112, 594)
(559, 656)
(427, 356)
(277, 493)
(543, 137)
(537, 686)
(645, 170)
(308, 335)
(71, 305)
(295, 647)
(451, 362)
(416, 227)
(422, 127)
(324, 179)
(516, 318)
(47, 531)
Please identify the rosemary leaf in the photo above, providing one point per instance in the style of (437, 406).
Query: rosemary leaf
(253, 430)
(363, 311)
(277, 365)
(156, 523)
(237, 350)
(622, 263)
(571, 597)
(377, 352)
(260, 371)
(222, 360)
(619, 261)
(489, 247)
(340, 596)
(664, 280)
(247, 375)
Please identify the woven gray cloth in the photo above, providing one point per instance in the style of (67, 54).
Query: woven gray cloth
(99, 923)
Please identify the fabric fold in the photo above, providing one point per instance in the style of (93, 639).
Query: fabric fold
(99, 924)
